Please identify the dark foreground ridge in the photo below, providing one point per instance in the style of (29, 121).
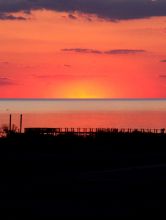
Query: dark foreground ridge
(115, 174)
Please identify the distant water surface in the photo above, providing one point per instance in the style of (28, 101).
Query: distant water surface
(142, 113)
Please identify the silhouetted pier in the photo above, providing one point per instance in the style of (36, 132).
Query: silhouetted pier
(87, 131)
(80, 131)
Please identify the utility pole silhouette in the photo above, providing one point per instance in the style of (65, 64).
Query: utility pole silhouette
(21, 123)
(10, 122)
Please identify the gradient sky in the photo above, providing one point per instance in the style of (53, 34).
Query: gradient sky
(82, 48)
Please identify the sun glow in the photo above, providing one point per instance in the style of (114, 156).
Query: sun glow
(82, 91)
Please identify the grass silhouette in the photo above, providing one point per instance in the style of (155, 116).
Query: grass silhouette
(114, 175)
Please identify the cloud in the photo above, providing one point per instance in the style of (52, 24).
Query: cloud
(82, 50)
(5, 16)
(67, 76)
(124, 51)
(107, 9)
(4, 62)
(111, 52)
(71, 16)
(67, 65)
(4, 81)
(162, 76)
(163, 61)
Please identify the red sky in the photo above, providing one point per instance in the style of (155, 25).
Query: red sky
(57, 55)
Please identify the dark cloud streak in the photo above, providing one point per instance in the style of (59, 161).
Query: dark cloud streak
(109, 52)
(82, 50)
(107, 9)
(124, 51)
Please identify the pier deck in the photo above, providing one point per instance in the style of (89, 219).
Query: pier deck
(88, 131)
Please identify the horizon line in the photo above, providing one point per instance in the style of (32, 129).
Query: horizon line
(82, 99)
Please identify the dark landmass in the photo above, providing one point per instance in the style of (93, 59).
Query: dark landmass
(114, 175)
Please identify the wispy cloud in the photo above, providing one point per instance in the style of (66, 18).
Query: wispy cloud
(109, 52)
(67, 76)
(4, 81)
(107, 9)
(4, 62)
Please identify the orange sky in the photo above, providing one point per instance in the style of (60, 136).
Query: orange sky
(53, 56)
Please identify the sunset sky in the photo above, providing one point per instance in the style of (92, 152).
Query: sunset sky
(82, 48)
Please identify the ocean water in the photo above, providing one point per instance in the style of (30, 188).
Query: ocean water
(103, 113)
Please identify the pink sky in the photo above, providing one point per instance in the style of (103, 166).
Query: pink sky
(54, 55)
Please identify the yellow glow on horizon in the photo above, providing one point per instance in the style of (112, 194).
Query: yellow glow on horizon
(82, 90)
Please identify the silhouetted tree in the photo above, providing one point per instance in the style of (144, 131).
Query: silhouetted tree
(5, 130)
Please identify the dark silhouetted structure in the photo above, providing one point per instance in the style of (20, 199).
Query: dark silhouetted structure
(87, 131)
(21, 123)
(54, 173)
